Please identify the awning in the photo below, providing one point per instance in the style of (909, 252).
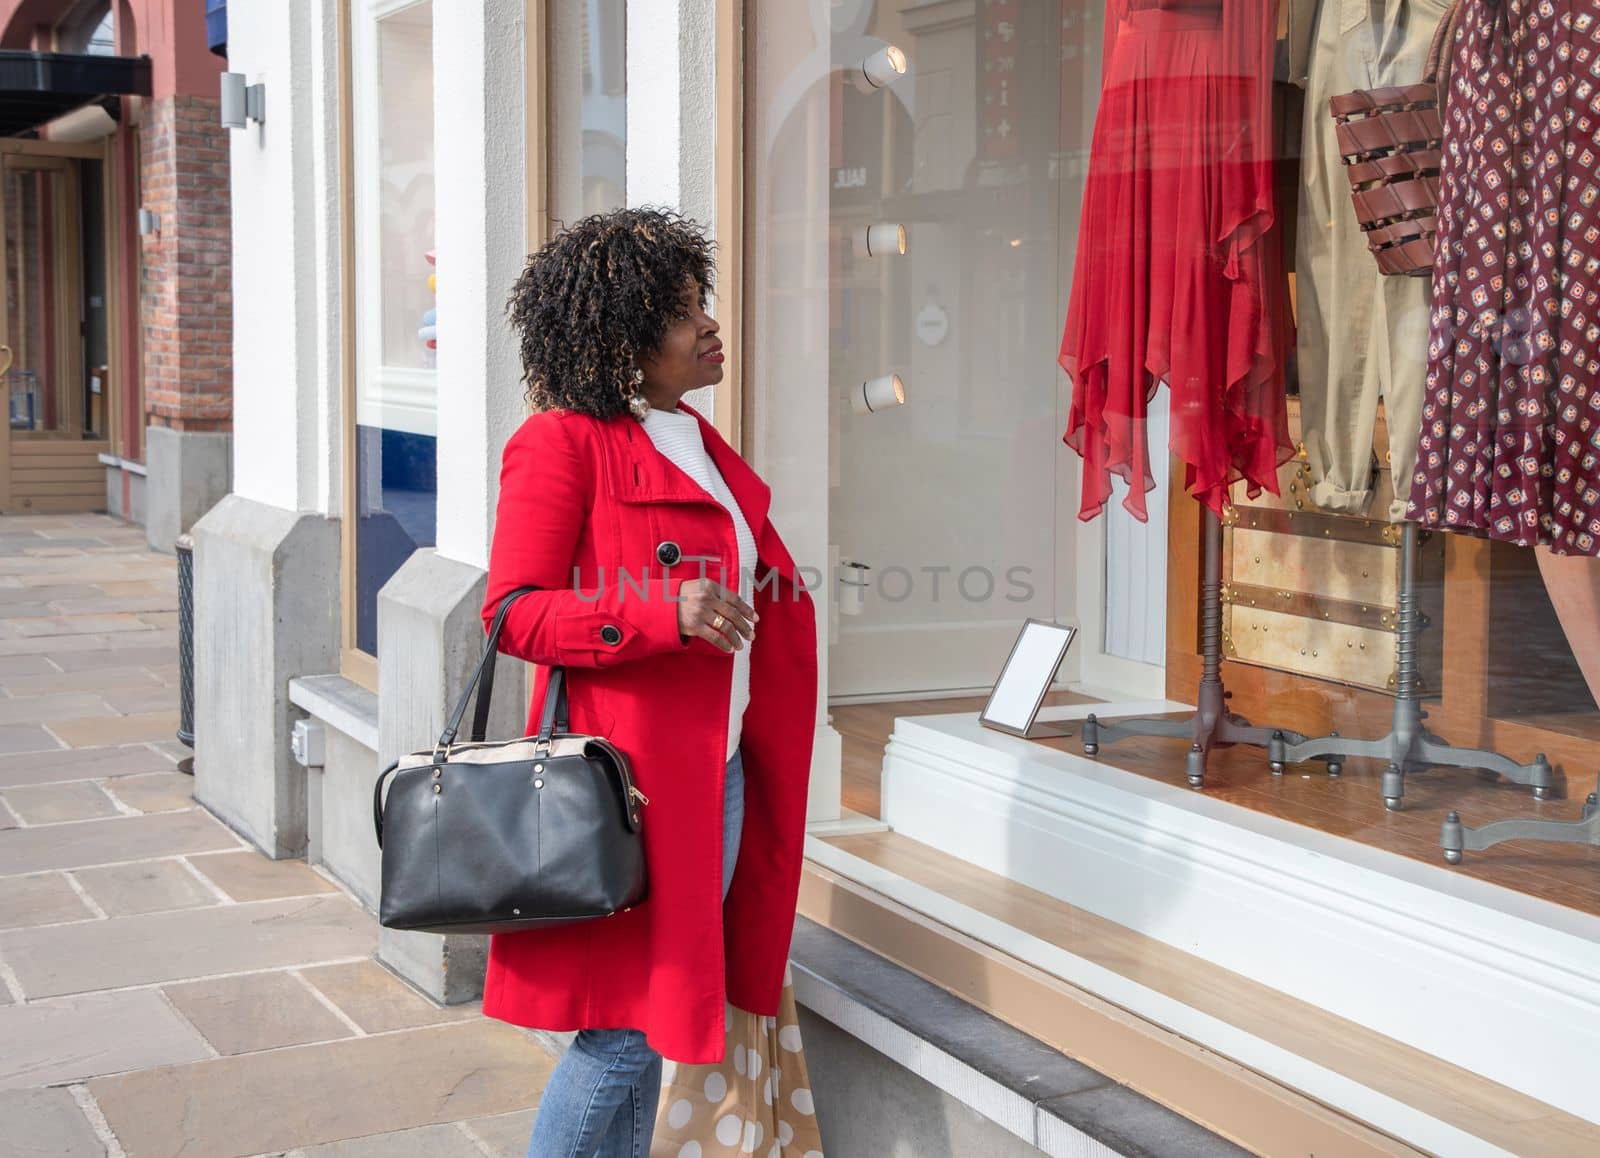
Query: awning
(36, 87)
(217, 26)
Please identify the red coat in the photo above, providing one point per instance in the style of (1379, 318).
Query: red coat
(595, 497)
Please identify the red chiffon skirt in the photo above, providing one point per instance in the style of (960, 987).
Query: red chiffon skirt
(1172, 284)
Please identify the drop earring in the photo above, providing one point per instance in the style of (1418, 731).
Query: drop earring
(638, 404)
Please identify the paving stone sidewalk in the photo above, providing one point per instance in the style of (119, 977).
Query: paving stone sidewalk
(165, 990)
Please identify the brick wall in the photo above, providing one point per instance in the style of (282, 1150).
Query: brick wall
(186, 291)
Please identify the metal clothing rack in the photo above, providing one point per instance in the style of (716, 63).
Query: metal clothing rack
(1212, 724)
(1456, 836)
(1409, 746)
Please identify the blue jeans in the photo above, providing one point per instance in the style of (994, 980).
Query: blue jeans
(600, 1101)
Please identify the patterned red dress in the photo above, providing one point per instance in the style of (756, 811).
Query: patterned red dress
(1510, 441)
(1179, 273)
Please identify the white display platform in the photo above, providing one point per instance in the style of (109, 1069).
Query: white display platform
(1504, 985)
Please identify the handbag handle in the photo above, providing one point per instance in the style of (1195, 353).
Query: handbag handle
(484, 676)
(552, 718)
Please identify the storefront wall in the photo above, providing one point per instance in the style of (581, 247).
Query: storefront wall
(153, 321)
(1308, 885)
(969, 471)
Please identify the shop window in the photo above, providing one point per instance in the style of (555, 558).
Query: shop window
(1144, 322)
(394, 504)
(913, 221)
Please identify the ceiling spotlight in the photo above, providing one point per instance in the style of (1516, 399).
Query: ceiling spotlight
(883, 67)
(878, 394)
(886, 239)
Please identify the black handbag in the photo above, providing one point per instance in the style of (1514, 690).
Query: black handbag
(517, 834)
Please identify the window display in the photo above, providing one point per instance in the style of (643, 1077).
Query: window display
(1343, 683)
(1179, 275)
(1361, 336)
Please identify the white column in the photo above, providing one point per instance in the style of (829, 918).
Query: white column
(286, 383)
(323, 477)
(480, 198)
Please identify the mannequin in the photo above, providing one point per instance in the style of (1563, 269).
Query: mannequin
(1573, 583)
(1362, 335)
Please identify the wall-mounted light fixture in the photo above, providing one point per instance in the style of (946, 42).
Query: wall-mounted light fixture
(149, 222)
(878, 394)
(882, 68)
(886, 239)
(852, 587)
(242, 103)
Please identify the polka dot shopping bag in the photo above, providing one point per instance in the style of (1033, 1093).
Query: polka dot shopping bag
(756, 1102)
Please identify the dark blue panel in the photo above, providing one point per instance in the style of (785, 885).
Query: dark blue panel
(217, 26)
(397, 512)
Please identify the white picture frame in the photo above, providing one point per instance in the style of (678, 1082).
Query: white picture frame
(1025, 679)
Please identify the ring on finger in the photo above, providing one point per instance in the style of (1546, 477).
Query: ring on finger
(716, 624)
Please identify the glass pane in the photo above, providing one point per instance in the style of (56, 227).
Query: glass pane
(396, 486)
(96, 350)
(405, 197)
(588, 108)
(1011, 263)
(40, 370)
(916, 218)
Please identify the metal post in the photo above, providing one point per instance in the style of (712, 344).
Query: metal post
(1212, 724)
(1456, 838)
(1409, 746)
(185, 551)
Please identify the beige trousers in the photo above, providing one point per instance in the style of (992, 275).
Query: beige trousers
(1361, 336)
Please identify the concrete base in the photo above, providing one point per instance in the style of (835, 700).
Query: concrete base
(901, 1067)
(867, 1104)
(430, 638)
(266, 611)
(339, 834)
(188, 472)
(340, 831)
(125, 494)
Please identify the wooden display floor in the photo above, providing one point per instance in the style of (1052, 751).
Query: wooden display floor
(1484, 1109)
(1351, 806)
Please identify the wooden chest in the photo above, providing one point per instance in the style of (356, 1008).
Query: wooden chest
(1317, 594)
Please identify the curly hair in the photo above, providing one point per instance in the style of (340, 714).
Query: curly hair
(597, 297)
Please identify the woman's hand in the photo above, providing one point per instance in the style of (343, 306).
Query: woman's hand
(709, 610)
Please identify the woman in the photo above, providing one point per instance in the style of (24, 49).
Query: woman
(649, 538)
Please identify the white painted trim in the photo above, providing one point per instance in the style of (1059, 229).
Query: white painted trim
(1094, 664)
(850, 823)
(117, 462)
(1499, 983)
(1358, 1101)
(399, 398)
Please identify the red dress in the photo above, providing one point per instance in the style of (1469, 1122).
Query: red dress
(1179, 277)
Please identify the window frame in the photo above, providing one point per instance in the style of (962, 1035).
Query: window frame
(361, 331)
(356, 665)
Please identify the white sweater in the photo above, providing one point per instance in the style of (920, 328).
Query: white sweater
(677, 435)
